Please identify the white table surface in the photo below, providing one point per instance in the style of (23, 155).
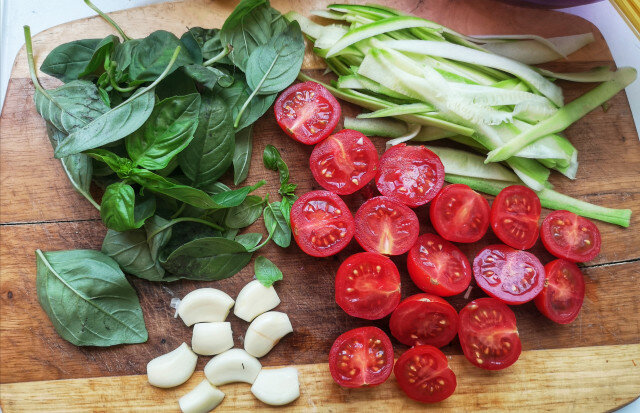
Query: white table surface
(43, 14)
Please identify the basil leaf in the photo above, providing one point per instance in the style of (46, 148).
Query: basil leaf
(208, 77)
(121, 166)
(242, 155)
(166, 133)
(244, 214)
(272, 160)
(122, 53)
(274, 66)
(277, 224)
(192, 46)
(285, 207)
(266, 271)
(232, 198)
(88, 299)
(152, 54)
(250, 240)
(102, 50)
(211, 258)
(177, 83)
(202, 36)
(236, 95)
(210, 153)
(119, 210)
(184, 193)
(68, 60)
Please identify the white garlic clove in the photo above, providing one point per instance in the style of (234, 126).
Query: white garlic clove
(202, 399)
(265, 332)
(277, 387)
(205, 305)
(172, 369)
(211, 338)
(235, 365)
(254, 299)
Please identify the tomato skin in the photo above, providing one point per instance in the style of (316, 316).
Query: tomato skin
(561, 298)
(366, 352)
(425, 364)
(489, 335)
(459, 214)
(344, 162)
(386, 226)
(412, 175)
(514, 216)
(368, 286)
(570, 236)
(321, 223)
(424, 319)
(307, 112)
(510, 275)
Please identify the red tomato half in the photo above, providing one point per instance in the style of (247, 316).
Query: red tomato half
(307, 112)
(488, 334)
(321, 223)
(368, 286)
(514, 216)
(561, 298)
(460, 214)
(361, 357)
(424, 319)
(412, 175)
(344, 162)
(510, 275)
(437, 266)
(386, 226)
(570, 236)
(423, 373)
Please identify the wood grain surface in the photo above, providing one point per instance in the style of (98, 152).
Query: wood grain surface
(591, 364)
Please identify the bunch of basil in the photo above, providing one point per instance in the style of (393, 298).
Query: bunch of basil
(157, 122)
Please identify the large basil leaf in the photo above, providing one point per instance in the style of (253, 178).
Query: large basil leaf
(274, 66)
(123, 52)
(184, 193)
(119, 210)
(71, 106)
(208, 77)
(210, 153)
(168, 131)
(210, 258)
(242, 155)
(277, 225)
(152, 54)
(88, 299)
(68, 60)
(102, 50)
(236, 95)
(244, 214)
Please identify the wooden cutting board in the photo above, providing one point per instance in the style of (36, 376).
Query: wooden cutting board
(592, 364)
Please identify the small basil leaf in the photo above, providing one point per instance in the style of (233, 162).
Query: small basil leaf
(244, 214)
(68, 60)
(208, 77)
(193, 47)
(152, 54)
(230, 233)
(242, 155)
(102, 50)
(184, 193)
(118, 208)
(202, 36)
(122, 53)
(270, 157)
(236, 95)
(266, 271)
(277, 224)
(235, 197)
(119, 165)
(285, 207)
(250, 240)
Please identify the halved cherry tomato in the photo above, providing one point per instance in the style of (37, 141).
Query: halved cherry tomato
(510, 275)
(570, 236)
(488, 334)
(561, 298)
(368, 286)
(514, 216)
(423, 373)
(412, 175)
(386, 226)
(344, 162)
(321, 223)
(424, 319)
(437, 266)
(460, 214)
(361, 357)
(307, 112)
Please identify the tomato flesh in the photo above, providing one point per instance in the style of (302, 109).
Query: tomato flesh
(424, 319)
(488, 334)
(307, 112)
(561, 298)
(412, 175)
(321, 223)
(361, 357)
(514, 216)
(510, 275)
(386, 226)
(344, 162)
(368, 286)
(570, 236)
(459, 214)
(424, 375)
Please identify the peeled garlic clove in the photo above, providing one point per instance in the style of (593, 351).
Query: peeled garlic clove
(172, 369)
(235, 365)
(265, 332)
(277, 387)
(211, 338)
(204, 305)
(203, 398)
(254, 299)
